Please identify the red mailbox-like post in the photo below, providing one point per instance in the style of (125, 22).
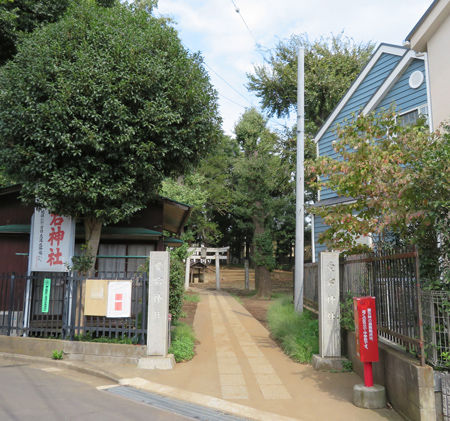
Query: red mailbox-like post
(366, 334)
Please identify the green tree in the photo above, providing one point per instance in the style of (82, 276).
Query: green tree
(23, 16)
(261, 177)
(331, 65)
(398, 177)
(97, 108)
(208, 191)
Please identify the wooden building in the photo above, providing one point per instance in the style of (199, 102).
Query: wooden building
(136, 237)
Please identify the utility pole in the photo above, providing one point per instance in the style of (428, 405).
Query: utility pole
(300, 185)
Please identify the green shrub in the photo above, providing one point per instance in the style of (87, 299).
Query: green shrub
(347, 366)
(297, 334)
(183, 342)
(177, 272)
(347, 318)
(57, 355)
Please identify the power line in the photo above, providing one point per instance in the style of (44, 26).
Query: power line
(235, 90)
(234, 102)
(238, 11)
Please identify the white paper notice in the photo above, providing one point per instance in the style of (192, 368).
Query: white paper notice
(119, 299)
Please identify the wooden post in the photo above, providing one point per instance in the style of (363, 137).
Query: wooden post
(217, 271)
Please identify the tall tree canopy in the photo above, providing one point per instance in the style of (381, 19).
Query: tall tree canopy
(97, 108)
(209, 191)
(331, 65)
(262, 178)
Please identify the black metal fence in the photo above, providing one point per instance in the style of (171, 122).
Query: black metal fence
(311, 286)
(11, 304)
(393, 279)
(51, 305)
(436, 320)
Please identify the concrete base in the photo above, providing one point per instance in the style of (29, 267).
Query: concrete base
(157, 362)
(369, 397)
(409, 386)
(327, 363)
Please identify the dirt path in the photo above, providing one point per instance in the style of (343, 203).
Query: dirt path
(232, 281)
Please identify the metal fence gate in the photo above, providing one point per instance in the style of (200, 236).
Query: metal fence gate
(51, 305)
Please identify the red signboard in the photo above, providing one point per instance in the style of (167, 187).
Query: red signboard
(366, 329)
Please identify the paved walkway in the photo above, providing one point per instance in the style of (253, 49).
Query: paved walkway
(238, 363)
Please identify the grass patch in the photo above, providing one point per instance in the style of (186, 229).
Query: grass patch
(276, 295)
(237, 298)
(191, 298)
(183, 341)
(297, 334)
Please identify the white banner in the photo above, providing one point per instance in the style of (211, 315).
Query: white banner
(52, 242)
(119, 299)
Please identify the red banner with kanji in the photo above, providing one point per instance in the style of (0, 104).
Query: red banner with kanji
(52, 242)
(366, 329)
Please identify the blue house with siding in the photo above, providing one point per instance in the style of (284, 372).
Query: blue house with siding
(394, 76)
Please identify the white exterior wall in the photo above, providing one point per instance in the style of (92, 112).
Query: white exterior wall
(439, 67)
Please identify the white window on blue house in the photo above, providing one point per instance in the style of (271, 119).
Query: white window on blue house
(410, 117)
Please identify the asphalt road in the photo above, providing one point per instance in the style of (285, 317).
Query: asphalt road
(36, 392)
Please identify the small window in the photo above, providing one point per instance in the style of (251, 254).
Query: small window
(410, 118)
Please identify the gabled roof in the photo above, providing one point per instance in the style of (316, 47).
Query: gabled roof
(175, 214)
(428, 24)
(390, 81)
(383, 48)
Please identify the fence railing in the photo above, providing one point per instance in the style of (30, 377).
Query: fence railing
(11, 304)
(436, 319)
(311, 285)
(393, 280)
(52, 305)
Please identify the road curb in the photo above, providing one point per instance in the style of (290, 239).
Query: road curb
(212, 402)
(67, 364)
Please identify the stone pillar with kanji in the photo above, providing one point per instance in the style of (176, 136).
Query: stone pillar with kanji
(329, 314)
(158, 314)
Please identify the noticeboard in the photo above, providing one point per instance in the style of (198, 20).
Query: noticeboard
(366, 329)
(96, 297)
(106, 297)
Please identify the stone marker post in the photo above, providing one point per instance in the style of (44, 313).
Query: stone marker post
(217, 270)
(329, 314)
(158, 313)
(187, 274)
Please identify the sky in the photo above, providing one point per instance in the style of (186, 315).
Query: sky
(232, 42)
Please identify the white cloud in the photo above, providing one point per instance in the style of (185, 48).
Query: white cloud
(214, 28)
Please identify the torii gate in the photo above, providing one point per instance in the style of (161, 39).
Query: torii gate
(204, 254)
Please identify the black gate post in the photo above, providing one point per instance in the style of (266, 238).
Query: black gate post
(11, 302)
(66, 309)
